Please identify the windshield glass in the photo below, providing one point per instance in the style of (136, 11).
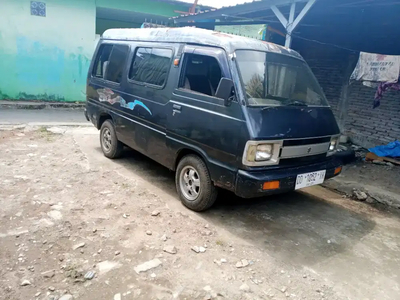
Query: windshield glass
(272, 79)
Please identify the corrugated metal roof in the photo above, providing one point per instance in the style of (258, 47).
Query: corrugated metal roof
(215, 9)
(243, 8)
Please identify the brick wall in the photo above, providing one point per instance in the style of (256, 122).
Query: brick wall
(370, 127)
(329, 75)
(365, 126)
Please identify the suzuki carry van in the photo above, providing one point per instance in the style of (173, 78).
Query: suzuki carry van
(222, 111)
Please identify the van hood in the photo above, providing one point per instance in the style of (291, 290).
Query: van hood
(291, 122)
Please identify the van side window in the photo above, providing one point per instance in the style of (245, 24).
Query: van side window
(117, 63)
(151, 66)
(201, 74)
(110, 62)
(101, 61)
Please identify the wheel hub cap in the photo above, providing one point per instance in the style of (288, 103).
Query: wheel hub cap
(189, 181)
(106, 139)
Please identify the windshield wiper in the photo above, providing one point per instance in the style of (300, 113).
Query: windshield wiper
(268, 107)
(296, 103)
(293, 103)
(286, 101)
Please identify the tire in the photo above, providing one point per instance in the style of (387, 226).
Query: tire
(111, 147)
(346, 155)
(195, 195)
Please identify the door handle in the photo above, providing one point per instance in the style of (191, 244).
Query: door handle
(177, 107)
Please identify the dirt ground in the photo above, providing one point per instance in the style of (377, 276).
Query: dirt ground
(379, 181)
(68, 213)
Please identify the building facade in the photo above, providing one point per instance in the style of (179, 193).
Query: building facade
(46, 46)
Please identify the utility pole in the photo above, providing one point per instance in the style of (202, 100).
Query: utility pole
(192, 10)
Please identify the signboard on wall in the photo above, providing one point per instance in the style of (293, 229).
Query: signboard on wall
(377, 68)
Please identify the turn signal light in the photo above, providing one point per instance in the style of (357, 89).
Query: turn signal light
(338, 170)
(271, 185)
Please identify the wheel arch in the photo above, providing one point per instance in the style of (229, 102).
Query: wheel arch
(102, 118)
(188, 151)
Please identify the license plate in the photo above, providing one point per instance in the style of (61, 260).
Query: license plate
(310, 179)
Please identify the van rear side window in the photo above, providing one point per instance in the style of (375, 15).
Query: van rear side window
(110, 62)
(151, 66)
(103, 56)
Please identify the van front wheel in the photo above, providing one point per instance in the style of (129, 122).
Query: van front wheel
(194, 185)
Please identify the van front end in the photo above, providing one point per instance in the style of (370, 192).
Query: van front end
(271, 167)
(293, 134)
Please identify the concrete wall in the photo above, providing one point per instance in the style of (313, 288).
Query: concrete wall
(46, 58)
(352, 105)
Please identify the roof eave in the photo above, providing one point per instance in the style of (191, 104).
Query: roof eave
(233, 10)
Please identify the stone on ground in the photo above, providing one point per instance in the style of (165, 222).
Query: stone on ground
(170, 249)
(151, 264)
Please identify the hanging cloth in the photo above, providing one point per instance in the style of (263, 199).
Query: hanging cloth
(382, 88)
(377, 68)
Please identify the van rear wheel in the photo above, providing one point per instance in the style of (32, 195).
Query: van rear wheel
(194, 185)
(112, 148)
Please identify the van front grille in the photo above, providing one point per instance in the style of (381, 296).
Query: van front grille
(302, 142)
(300, 161)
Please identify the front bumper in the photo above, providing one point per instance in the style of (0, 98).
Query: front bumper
(249, 184)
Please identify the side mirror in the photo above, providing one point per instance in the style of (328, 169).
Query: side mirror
(224, 90)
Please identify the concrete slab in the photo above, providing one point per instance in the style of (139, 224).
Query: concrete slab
(39, 105)
(43, 117)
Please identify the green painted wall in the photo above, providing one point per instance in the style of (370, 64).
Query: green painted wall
(104, 24)
(46, 58)
(143, 6)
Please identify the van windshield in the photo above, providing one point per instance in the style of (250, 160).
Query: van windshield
(272, 79)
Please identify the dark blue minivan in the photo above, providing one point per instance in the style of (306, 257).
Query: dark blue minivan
(223, 111)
